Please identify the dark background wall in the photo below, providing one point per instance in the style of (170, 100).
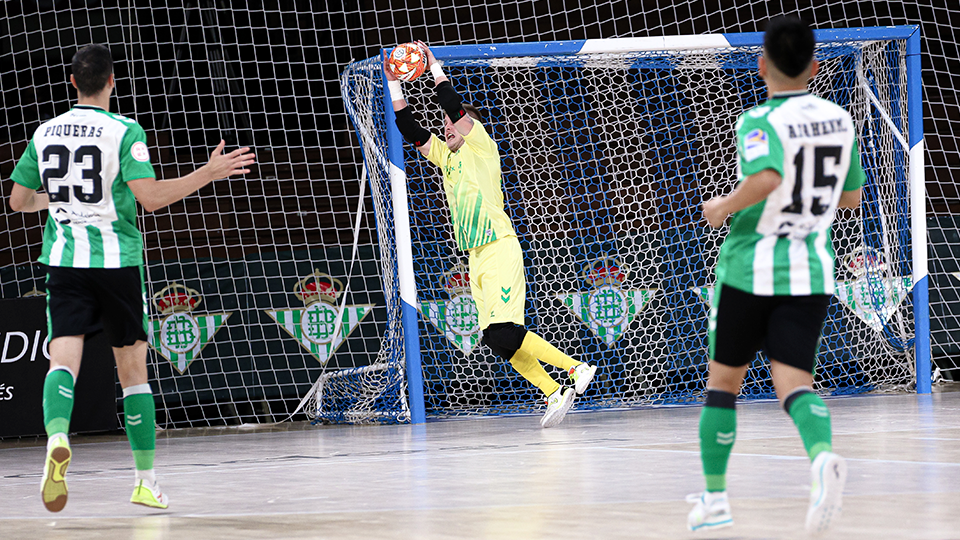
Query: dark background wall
(266, 75)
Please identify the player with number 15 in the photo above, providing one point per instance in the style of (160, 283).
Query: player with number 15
(798, 163)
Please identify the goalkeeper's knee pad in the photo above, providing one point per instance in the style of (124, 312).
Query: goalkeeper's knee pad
(504, 339)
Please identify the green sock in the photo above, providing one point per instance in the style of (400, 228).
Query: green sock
(141, 420)
(718, 430)
(812, 418)
(57, 401)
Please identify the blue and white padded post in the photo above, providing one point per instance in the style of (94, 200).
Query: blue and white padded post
(918, 209)
(408, 286)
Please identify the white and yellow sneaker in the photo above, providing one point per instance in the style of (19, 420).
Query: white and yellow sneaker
(558, 403)
(148, 493)
(53, 487)
(582, 376)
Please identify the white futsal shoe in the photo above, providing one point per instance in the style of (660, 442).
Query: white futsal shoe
(558, 404)
(712, 511)
(582, 375)
(828, 476)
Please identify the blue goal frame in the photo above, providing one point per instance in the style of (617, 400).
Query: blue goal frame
(395, 155)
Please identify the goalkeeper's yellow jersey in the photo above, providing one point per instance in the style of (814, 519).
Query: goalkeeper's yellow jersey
(471, 180)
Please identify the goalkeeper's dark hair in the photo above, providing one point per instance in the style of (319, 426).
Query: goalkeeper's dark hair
(789, 43)
(92, 66)
(472, 111)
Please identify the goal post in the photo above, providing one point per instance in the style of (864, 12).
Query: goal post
(405, 275)
(918, 205)
(609, 147)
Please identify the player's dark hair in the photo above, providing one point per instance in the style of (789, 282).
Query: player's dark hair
(92, 66)
(472, 111)
(788, 43)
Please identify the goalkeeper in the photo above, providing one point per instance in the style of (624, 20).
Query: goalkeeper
(470, 163)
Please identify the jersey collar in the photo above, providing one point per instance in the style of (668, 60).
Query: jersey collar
(90, 107)
(791, 93)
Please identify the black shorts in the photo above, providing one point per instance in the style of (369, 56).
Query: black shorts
(786, 328)
(83, 300)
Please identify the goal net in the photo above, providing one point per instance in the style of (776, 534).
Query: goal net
(268, 75)
(609, 148)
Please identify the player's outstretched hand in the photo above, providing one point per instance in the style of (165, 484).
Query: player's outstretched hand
(714, 212)
(431, 60)
(225, 165)
(386, 70)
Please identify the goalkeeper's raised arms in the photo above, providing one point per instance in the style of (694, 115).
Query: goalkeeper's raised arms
(408, 126)
(448, 98)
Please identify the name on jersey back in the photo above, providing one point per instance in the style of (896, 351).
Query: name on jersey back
(816, 129)
(72, 130)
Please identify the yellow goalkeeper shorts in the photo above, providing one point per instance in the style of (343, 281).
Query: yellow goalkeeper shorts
(496, 281)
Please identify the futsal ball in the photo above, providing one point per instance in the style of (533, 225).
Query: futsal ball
(407, 61)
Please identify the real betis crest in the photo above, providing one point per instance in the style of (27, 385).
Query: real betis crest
(315, 325)
(179, 336)
(456, 318)
(607, 309)
(872, 296)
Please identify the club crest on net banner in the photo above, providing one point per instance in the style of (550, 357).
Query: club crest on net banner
(871, 295)
(314, 324)
(456, 318)
(607, 309)
(178, 335)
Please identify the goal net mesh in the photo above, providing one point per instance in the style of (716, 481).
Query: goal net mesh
(606, 160)
(268, 75)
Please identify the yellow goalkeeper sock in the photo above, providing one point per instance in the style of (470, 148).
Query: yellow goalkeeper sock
(532, 371)
(538, 348)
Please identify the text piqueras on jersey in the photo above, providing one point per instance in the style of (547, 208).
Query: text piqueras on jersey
(72, 130)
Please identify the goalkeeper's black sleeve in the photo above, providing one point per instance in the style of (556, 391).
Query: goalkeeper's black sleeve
(450, 101)
(410, 129)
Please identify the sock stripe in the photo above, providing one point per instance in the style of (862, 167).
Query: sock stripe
(137, 389)
(819, 410)
(812, 418)
(69, 371)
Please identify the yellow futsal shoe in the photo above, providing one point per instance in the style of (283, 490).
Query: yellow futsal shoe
(53, 487)
(148, 493)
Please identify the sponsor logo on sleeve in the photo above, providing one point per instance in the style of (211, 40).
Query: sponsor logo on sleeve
(756, 144)
(140, 152)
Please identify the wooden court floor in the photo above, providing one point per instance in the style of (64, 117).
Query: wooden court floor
(610, 474)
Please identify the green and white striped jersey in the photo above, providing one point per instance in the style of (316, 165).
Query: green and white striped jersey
(782, 245)
(83, 159)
